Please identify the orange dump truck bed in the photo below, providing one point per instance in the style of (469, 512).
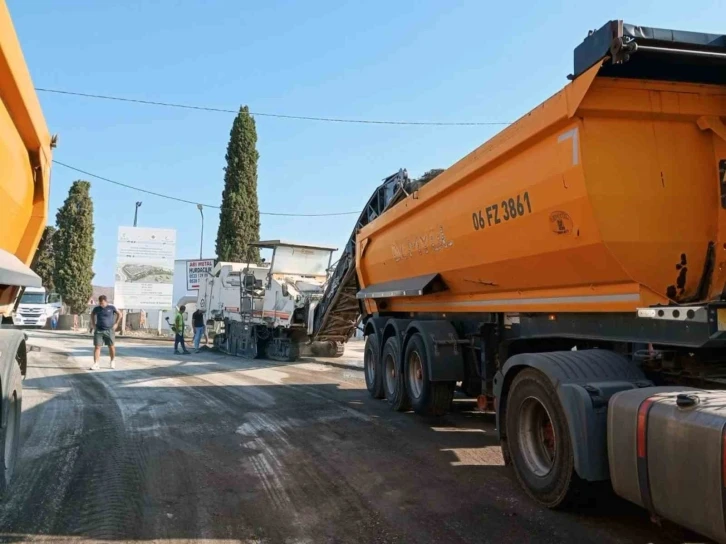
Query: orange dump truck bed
(607, 197)
(25, 157)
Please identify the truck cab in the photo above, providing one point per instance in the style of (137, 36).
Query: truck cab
(35, 307)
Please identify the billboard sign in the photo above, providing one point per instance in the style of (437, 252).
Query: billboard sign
(196, 272)
(144, 268)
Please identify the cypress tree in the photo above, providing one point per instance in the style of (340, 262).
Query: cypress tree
(73, 245)
(44, 260)
(239, 218)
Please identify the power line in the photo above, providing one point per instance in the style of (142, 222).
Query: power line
(277, 115)
(169, 197)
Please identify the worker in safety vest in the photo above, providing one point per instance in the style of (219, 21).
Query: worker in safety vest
(179, 331)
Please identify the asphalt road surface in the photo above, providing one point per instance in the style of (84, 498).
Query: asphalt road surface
(209, 448)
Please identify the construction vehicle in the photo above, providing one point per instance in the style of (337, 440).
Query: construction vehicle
(36, 307)
(25, 159)
(219, 295)
(572, 272)
(265, 311)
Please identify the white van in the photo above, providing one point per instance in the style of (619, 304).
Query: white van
(36, 307)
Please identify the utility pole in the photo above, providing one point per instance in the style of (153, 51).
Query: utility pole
(136, 212)
(200, 207)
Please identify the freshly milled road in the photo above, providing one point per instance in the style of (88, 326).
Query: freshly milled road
(209, 448)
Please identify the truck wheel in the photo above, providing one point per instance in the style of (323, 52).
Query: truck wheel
(11, 431)
(427, 398)
(393, 384)
(539, 440)
(372, 367)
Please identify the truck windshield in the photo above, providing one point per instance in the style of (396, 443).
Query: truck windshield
(33, 298)
(301, 260)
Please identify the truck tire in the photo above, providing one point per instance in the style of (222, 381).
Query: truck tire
(539, 440)
(427, 398)
(372, 367)
(393, 383)
(10, 433)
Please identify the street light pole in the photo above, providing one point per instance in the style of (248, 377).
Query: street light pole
(200, 207)
(136, 212)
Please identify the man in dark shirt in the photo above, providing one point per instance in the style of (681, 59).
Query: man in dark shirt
(104, 319)
(198, 325)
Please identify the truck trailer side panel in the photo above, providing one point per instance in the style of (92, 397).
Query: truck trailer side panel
(25, 157)
(604, 198)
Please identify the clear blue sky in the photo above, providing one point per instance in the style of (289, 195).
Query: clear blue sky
(425, 60)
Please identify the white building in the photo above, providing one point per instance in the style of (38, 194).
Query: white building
(181, 293)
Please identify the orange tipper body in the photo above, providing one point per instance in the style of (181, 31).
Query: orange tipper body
(607, 197)
(25, 158)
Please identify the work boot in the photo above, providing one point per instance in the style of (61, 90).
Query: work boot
(186, 352)
(95, 366)
(113, 363)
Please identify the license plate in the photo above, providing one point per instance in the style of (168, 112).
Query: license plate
(721, 314)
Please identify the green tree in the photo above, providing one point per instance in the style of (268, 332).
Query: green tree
(73, 245)
(44, 260)
(239, 218)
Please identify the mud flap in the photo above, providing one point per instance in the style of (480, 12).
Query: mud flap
(444, 349)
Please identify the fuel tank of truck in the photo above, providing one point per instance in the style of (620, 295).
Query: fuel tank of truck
(607, 197)
(665, 450)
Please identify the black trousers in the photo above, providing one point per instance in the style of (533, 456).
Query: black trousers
(179, 339)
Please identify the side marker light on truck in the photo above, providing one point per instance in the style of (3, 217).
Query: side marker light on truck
(643, 427)
(642, 447)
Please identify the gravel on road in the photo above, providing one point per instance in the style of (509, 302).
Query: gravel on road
(211, 448)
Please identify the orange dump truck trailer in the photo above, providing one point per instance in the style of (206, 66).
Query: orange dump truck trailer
(25, 158)
(571, 272)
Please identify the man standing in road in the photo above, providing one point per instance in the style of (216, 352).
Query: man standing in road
(179, 331)
(104, 319)
(198, 324)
